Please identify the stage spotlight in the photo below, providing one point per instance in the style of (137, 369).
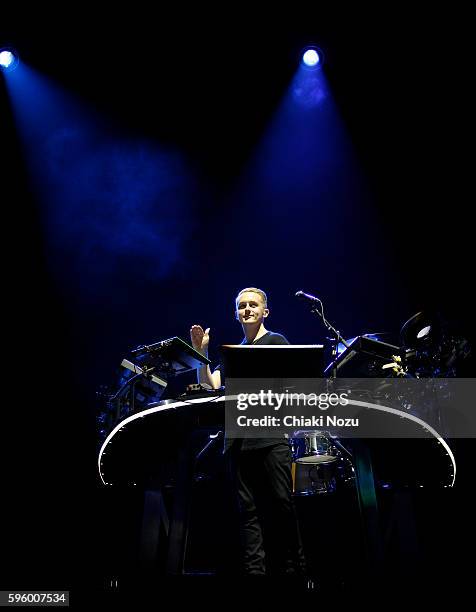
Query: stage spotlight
(8, 59)
(311, 58)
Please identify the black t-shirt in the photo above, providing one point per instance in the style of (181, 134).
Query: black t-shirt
(254, 443)
(268, 338)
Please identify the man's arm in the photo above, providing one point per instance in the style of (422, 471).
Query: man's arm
(200, 341)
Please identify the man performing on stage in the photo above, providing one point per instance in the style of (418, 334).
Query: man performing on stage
(260, 467)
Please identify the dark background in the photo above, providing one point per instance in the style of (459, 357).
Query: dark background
(384, 238)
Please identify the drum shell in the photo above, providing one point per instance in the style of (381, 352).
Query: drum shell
(321, 478)
(314, 447)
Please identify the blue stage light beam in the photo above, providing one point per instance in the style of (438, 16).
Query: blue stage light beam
(109, 203)
(305, 185)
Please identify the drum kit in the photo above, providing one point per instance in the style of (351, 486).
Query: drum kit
(429, 348)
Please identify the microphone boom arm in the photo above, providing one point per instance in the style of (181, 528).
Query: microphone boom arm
(329, 326)
(317, 307)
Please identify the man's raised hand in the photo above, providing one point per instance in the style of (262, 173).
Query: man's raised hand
(200, 339)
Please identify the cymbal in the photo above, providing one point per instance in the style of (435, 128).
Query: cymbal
(421, 328)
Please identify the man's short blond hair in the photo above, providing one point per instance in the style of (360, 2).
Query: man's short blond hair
(260, 292)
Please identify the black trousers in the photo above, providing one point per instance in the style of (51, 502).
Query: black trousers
(269, 528)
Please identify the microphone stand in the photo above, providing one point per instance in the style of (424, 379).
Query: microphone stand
(333, 331)
(362, 463)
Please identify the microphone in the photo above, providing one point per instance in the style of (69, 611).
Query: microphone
(306, 296)
(313, 300)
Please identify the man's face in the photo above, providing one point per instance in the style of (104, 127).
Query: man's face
(250, 308)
